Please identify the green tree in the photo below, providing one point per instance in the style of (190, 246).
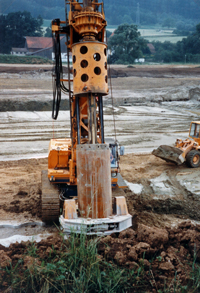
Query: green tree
(127, 19)
(3, 45)
(16, 26)
(126, 45)
(168, 22)
(108, 34)
(188, 49)
(48, 32)
(151, 12)
(191, 44)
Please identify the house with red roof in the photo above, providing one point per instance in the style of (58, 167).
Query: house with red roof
(40, 46)
(34, 44)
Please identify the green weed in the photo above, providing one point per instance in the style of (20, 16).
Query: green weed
(75, 268)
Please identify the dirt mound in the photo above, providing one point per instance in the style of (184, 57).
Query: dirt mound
(19, 68)
(26, 201)
(146, 207)
(155, 255)
(15, 104)
(162, 252)
(156, 72)
(31, 86)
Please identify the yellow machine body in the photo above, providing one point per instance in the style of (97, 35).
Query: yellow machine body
(187, 145)
(90, 68)
(59, 163)
(195, 131)
(187, 150)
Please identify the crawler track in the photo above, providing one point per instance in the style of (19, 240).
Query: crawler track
(50, 200)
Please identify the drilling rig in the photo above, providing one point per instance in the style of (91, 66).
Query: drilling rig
(83, 171)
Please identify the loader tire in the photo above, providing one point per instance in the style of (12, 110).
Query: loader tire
(193, 159)
(50, 200)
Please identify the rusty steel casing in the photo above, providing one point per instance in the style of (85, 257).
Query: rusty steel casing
(90, 68)
(94, 181)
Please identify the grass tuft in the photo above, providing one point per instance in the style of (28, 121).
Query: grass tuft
(76, 267)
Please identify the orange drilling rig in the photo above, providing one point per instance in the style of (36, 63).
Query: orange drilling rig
(83, 171)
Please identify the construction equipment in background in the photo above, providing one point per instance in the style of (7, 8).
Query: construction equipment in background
(187, 150)
(83, 170)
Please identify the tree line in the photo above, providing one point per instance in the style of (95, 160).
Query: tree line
(126, 45)
(117, 12)
(187, 50)
(15, 26)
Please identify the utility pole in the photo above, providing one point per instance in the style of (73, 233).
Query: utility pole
(138, 14)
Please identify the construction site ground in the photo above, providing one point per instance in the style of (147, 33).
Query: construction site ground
(153, 105)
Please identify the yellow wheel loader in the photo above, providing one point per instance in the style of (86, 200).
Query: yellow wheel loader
(187, 150)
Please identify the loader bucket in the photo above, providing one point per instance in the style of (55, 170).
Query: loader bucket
(169, 154)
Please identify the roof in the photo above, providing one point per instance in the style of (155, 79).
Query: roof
(38, 42)
(112, 34)
(19, 50)
(151, 47)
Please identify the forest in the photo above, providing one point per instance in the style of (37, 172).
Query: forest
(182, 15)
(117, 12)
(127, 45)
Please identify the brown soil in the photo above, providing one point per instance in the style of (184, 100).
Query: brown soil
(158, 212)
(160, 252)
(156, 71)
(20, 190)
(29, 87)
(17, 68)
(152, 240)
(159, 71)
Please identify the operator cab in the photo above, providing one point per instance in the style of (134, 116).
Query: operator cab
(115, 151)
(195, 129)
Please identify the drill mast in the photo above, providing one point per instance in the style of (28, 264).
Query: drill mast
(84, 163)
(85, 33)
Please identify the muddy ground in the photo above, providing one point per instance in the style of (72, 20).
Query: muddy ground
(158, 193)
(152, 106)
(164, 237)
(29, 88)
